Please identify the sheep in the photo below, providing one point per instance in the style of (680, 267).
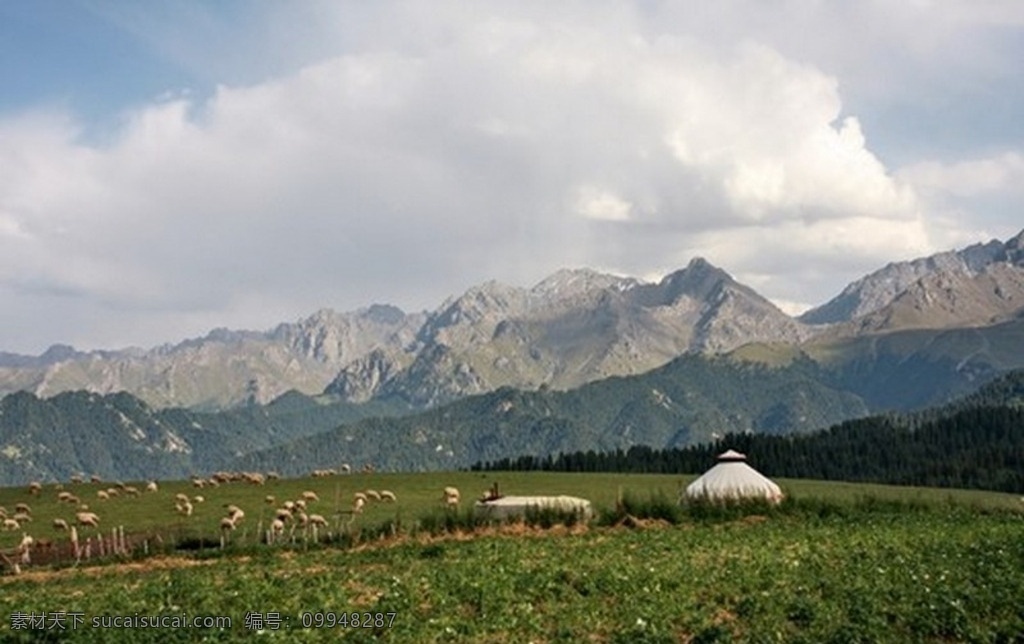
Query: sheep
(22, 507)
(372, 494)
(235, 513)
(317, 519)
(283, 515)
(181, 498)
(60, 524)
(388, 495)
(359, 496)
(346, 468)
(11, 524)
(357, 507)
(103, 495)
(277, 526)
(77, 478)
(289, 505)
(227, 523)
(270, 499)
(310, 495)
(64, 496)
(152, 486)
(198, 498)
(184, 508)
(34, 488)
(302, 519)
(22, 517)
(95, 478)
(273, 476)
(299, 506)
(113, 491)
(451, 497)
(131, 490)
(87, 519)
(26, 542)
(3, 512)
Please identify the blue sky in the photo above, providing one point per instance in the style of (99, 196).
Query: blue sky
(168, 168)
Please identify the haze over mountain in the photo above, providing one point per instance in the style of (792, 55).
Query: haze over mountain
(574, 327)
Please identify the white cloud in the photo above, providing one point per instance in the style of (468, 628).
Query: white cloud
(1000, 173)
(428, 150)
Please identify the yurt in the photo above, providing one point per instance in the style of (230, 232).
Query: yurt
(732, 478)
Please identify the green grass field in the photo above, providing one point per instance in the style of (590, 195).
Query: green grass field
(907, 565)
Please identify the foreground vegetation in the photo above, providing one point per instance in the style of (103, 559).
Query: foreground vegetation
(837, 563)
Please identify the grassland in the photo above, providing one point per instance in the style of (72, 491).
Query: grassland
(904, 565)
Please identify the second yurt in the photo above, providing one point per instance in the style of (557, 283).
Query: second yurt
(732, 478)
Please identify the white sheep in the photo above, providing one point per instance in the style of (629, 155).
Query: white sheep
(87, 519)
(346, 468)
(270, 499)
(235, 513)
(60, 524)
(22, 517)
(152, 486)
(227, 523)
(357, 507)
(277, 526)
(283, 514)
(185, 508)
(451, 496)
(198, 499)
(310, 495)
(11, 524)
(388, 495)
(22, 507)
(317, 519)
(372, 494)
(102, 495)
(34, 488)
(181, 498)
(359, 496)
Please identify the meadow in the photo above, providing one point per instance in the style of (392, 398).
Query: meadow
(841, 563)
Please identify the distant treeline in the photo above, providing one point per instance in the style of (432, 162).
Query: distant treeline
(977, 447)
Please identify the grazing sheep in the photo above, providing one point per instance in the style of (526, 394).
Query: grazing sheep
(199, 483)
(227, 523)
(372, 494)
(103, 495)
(11, 524)
(152, 486)
(198, 499)
(310, 495)
(359, 496)
(34, 488)
(357, 507)
(235, 513)
(131, 490)
(22, 517)
(388, 495)
(95, 478)
(77, 478)
(302, 519)
(65, 496)
(346, 468)
(184, 508)
(277, 526)
(26, 542)
(273, 476)
(317, 519)
(283, 515)
(270, 499)
(289, 505)
(60, 524)
(451, 497)
(22, 507)
(3, 512)
(181, 498)
(113, 491)
(300, 506)
(87, 519)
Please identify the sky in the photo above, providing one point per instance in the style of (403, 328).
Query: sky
(170, 168)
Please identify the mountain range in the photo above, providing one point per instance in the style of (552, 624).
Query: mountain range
(572, 328)
(580, 361)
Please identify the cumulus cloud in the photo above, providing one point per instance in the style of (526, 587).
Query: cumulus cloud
(428, 151)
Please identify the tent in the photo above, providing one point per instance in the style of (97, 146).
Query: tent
(732, 478)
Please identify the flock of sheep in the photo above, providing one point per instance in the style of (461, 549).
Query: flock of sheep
(287, 515)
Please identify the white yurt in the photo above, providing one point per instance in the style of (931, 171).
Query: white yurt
(731, 479)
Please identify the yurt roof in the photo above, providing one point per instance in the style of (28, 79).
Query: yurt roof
(733, 478)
